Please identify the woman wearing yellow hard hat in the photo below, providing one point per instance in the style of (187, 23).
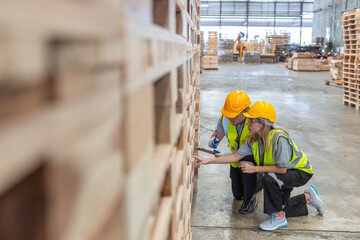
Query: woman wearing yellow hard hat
(232, 124)
(284, 164)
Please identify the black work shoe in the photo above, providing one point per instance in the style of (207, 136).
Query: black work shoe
(247, 208)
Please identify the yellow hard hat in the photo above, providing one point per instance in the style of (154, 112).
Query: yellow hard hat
(235, 103)
(262, 109)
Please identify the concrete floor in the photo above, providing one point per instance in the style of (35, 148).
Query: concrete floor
(316, 119)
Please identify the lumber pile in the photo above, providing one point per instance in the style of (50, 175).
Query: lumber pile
(305, 61)
(322, 65)
(212, 44)
(99, 119)
(351, 80)
(210, 63)
(318, 41)
(304, 64)
(251, 57)
(279, 39)
(225, 50)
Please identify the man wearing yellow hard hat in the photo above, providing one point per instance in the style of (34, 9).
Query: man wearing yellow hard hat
(232, 124)
(284, 166)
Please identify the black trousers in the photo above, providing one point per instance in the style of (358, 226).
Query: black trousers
(244, 184)
(277, 190)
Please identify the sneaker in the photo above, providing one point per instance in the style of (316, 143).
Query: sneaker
(315, 200)
(273, 222)
(247, 208)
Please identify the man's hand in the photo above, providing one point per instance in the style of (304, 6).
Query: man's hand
(247, 168)
(200, 161)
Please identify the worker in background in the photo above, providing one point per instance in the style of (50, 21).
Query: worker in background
(238, 41)
(284, 164)
(232, 124)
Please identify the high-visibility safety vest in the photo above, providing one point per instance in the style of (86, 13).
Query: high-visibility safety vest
(232, 134)
(299, 160)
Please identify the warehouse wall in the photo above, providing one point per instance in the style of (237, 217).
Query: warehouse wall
(328, 14)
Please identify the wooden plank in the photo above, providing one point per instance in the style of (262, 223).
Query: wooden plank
(36, 133)
(163, 219)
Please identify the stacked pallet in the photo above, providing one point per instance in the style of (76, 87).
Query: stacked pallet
(252, 57)
(280, 39)
(351, 78)
(225, 50)
(304, 62)
(318, 41)
(212, 44)
(98, 119)
(322, 65)
(210, 63)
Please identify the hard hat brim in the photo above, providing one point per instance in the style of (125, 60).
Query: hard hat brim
(229, 114)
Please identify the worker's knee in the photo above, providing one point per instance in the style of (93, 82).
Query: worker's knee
(271, 179)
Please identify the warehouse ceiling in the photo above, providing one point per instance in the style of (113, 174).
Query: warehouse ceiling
(279, 13)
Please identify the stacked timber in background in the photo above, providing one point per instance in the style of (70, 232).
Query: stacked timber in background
(212, 44)
(225, 50)
(351, 78)
(305, 61)
(98, 119)
(251, 57)
(318, 41)
(210, 61)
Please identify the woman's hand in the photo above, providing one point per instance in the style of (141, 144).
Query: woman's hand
(200, 161)
(247, 168)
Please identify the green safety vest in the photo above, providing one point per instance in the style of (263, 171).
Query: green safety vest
(232, 134)
(299, 160)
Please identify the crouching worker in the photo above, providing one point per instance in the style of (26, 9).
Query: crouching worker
(232, 124)
(284, 164)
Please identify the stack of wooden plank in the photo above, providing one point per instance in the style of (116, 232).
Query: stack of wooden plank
(210, 62)
(212, 43)
(225, 50)
(318, 41)
(351, 78)
(279, 39)
(99, 119)
(251, 57)
(322, 65)
(304, 62)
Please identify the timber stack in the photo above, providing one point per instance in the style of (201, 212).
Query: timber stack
(98, 118)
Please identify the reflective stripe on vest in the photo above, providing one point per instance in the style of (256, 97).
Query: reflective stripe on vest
(232, 134)
(299, 160)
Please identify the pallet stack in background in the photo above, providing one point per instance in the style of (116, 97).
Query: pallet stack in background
(98, 118)
(225, 50)
(318, 41)
(251, 57)
(351, 78)
(210, 60)
(212, 44)
(305, 61)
